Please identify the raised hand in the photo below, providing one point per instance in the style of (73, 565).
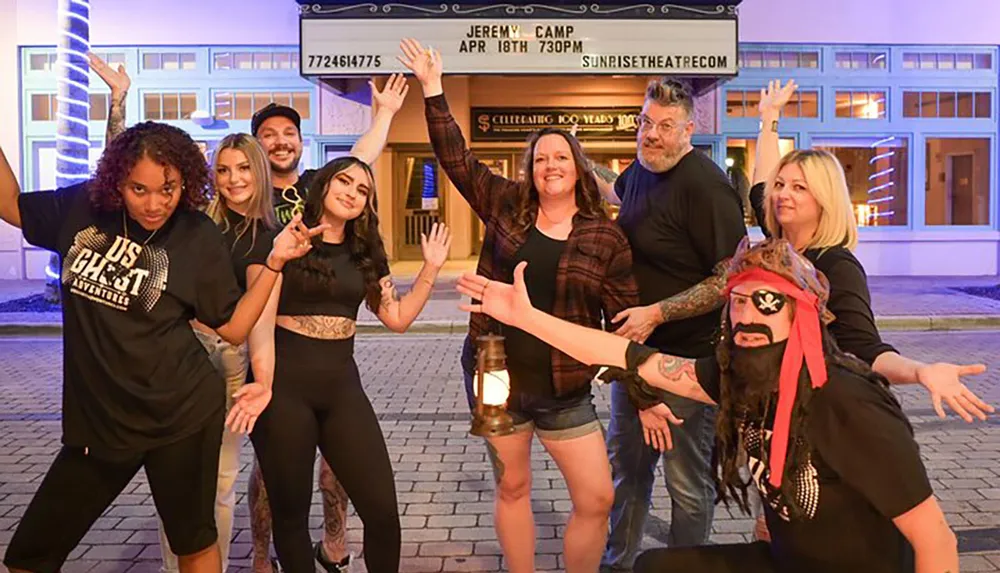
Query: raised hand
(294, 241)
(507, 303)
(117, 80)
(424, 63)
(944, 382)
(393, 93)
(436, 246)
(249, 403)
(774, 97)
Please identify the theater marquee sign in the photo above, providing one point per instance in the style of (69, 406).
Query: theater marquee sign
(513, 124)
(363, 39)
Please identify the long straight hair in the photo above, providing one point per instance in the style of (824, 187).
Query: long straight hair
(260, 211)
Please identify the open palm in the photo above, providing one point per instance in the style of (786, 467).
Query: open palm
(436, 246)
(424, 63)
(505, 302)
(117, 80)
(393, 93)
(774, 97)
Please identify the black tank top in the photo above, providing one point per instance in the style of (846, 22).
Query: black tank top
(343, 299)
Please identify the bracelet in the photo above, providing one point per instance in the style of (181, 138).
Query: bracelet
(774, 126)
(270, 268)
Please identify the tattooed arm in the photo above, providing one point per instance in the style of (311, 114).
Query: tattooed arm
(119, 82)
(606, 183)
(702, 298)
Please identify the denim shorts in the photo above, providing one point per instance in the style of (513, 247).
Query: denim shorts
(562, 418)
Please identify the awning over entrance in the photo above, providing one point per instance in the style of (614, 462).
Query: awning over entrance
(693, 39)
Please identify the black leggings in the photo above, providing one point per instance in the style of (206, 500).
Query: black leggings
(318, 400)
(737, 558)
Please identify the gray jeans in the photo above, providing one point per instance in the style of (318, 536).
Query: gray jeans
(232, 362)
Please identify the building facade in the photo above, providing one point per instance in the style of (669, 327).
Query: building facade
(907, 101)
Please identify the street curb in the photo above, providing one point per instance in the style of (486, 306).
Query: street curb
(449, 327)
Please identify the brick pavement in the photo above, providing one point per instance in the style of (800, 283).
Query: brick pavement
(443, 479)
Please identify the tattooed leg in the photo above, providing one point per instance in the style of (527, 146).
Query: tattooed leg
(334, 514)
(495, 462)
(260, 522)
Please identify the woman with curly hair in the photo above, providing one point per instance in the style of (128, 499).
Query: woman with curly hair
(317, 398)
(581, 270)
(139, 261)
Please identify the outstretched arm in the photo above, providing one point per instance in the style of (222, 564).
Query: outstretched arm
(9, 191)
(510, 304)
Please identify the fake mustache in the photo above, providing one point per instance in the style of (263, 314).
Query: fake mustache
(754, 328)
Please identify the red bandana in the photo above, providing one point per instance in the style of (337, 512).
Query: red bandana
(805, 342)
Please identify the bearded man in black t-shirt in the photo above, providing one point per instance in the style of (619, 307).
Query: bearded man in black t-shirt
(825, 441)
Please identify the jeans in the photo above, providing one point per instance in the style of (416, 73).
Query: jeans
(686, 469)
(232, 362)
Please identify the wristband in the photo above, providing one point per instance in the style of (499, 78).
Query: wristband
(270, 268)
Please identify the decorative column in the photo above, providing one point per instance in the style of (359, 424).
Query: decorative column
(73, 109)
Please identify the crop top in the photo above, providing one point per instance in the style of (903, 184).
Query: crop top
(344, 299)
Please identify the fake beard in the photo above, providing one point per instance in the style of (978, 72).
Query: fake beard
(753, 374)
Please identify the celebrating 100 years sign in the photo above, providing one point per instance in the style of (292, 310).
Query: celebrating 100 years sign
(692, 47)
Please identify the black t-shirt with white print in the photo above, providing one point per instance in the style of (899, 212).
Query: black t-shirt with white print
(864, 470)
(289, 200)
(134, 375)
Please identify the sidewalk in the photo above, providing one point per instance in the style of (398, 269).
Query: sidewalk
(900, 303)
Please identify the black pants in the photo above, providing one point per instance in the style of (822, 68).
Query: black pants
(318, 400)
(78, 488)
(737, 558)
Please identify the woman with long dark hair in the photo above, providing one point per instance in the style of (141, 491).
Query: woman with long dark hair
(580, 270)
(139, 262)
(316, 397)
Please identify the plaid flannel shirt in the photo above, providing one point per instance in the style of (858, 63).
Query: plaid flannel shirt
(594, 278)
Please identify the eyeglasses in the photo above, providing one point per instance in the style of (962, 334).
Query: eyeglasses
(664, 128)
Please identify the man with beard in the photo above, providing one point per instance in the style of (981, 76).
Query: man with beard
(827, 444)
(682, 217)
(277, 129)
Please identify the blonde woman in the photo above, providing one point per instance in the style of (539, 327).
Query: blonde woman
(241, 207)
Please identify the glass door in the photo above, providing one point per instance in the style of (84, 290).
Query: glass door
(418, 200)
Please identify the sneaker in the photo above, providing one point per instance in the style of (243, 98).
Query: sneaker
(330, 566)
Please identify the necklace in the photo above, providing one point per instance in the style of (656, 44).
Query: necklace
(125, 230)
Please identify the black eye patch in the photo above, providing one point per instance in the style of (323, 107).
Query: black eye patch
(768, 302)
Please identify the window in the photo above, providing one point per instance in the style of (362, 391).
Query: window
(41, 62)
(958, 181)
(256, 60)
(877, 171)
(862, 60)
(112, 58)
(861, 104)
(744, 103)
(947, 61)
(242, 105)
(741, 154)
(160, 106)
(44, 107)
(168, 61)
(779, 59)
(977, 105)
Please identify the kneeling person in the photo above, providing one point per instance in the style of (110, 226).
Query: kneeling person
(827, 444)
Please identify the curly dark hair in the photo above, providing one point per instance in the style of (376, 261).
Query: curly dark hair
(162, 143)
(315, 270)
(728, 457)
(588, 196)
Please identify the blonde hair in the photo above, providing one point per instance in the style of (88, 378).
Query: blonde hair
(825, 179)
(261, 208)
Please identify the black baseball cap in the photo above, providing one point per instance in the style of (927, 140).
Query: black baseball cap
(274, 110)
